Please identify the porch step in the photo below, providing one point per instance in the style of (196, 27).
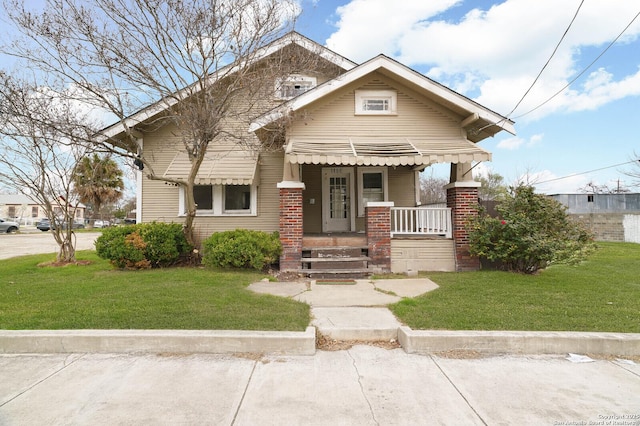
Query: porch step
(336, 273)
(335, 262)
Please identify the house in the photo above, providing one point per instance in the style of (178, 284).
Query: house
(27, 210)
(345, 180)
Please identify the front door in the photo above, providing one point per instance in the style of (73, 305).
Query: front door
(337, 199)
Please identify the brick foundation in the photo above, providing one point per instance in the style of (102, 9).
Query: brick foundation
(463, 201)
(378, 230)
(290, 228)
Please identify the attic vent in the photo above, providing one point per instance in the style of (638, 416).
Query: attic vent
(294, 85)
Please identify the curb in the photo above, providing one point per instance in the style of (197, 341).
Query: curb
(519, 342)
(158, 341)
(304, 342)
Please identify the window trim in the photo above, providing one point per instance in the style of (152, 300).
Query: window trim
(218, 204)
(390, 95)
(385, 185)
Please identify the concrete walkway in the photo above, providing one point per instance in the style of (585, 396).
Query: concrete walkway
(354, 311)
(360, 386)
(357, 311)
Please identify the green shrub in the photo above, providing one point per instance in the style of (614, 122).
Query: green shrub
(142, 246)
(532, 232)
(241, 248)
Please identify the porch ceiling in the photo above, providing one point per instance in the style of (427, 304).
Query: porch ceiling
(379, 151)
(219, 167)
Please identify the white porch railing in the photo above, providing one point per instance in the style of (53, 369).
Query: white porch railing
(421, 221)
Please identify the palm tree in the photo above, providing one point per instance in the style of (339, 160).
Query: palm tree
(97, 181)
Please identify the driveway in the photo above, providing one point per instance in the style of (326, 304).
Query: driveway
(12, 245)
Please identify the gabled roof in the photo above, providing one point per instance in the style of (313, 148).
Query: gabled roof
(288, 39)
(480, 122)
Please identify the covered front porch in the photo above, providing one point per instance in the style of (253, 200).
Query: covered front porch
(354, 220)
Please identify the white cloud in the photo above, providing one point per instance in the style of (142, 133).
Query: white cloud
(517, 142)
(494, 55)
(367, 28)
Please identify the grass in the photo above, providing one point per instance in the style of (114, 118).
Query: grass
(601, 294)
(96, 296)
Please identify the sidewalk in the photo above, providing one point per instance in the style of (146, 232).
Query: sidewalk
(360, 386)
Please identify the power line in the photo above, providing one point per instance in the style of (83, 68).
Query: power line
(575, 15)
(581, 73)
(587, 172)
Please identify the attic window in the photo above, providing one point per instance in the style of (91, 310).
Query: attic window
(376, 102)
(294, 85)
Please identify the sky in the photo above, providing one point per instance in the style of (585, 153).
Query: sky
(493, 52)
(575, 125)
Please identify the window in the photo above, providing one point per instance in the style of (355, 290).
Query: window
(372, 186)
(34, 211)
(203, 195)
(294, 85)
(221, 200)
(375, 102)
(11, 211)
(237, 198)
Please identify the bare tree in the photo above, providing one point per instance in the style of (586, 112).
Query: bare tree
(196, 59)
(594, 188)
(39, 137)
(432, 189)
(634, 172)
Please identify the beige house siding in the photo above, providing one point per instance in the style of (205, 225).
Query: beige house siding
(312, 213)
(402, 181)
(416, 115)
(160, 202)
(422, 255)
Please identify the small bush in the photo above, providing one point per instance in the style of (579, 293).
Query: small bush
(143, 246)
(532, 232)
(241, 248)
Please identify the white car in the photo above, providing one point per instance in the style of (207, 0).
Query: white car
(101, 224)
(8, 226)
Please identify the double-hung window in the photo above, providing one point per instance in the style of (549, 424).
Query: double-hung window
(372, 186)
(222, 200)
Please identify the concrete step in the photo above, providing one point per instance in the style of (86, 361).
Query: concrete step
(334, 240)
(335, 263)
(338, 251)
(355, 323)
(336, 273)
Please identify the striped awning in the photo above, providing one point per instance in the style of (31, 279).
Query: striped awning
(219, 167)
(381, 151)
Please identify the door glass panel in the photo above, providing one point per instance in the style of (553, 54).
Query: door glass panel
(338, 198)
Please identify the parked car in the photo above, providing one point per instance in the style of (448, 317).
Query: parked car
(101, 224)
(9, 226)
(45, 224)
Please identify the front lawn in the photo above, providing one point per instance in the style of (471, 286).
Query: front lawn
(98, 297)
(601, 294)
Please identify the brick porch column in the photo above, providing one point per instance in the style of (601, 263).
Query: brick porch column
(378, 230)
(462, 198)
(290, 224)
